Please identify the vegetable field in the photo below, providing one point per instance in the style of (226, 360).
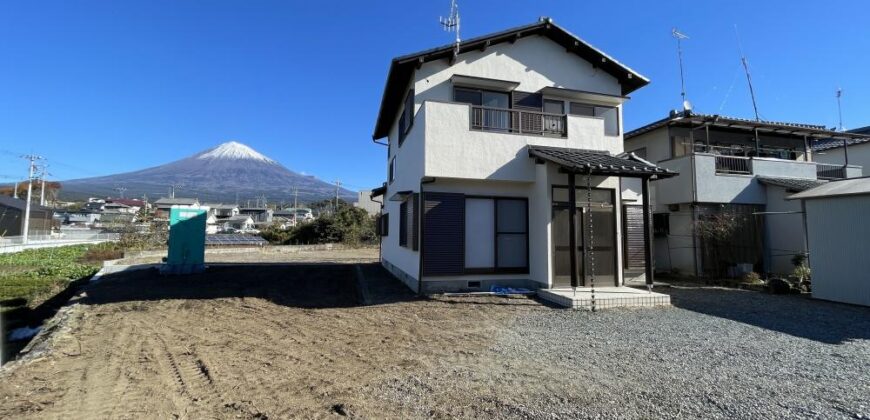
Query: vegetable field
(36, 274)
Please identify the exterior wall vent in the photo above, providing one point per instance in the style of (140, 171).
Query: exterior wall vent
(474, 285)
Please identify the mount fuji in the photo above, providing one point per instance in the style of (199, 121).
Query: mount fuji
(224, 173)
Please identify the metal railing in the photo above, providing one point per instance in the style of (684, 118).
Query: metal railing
(733, 165)
(828, 171)
(517, 121)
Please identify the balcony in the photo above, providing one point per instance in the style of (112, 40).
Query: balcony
(518, 121)
(828, 171)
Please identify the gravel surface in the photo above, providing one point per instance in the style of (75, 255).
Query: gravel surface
(718, 353)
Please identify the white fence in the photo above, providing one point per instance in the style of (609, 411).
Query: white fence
(73, 237)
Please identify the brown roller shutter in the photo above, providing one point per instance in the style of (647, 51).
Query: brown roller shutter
(634, 250)
(528, 101)
(444, 234)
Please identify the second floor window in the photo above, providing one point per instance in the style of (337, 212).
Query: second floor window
(493, 114)
(392, 170)
(610, 114)
(406, 120)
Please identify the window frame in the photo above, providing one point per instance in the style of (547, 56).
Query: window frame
(595, 114)
(406, 118)
(496, 269)
(391, 170)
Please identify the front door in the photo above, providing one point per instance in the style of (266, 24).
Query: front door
(594, 231)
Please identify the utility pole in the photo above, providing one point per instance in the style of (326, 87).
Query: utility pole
(337, 188)
(15, 192)
(32, 167)
(120, 191)
(295, 197)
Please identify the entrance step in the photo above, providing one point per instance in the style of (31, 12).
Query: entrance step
(605, 297)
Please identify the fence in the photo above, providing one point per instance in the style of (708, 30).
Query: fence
(16, 243)
(828, 171)
(515, 121)
(733, 165)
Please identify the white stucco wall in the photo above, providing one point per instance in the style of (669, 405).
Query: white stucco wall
(784, 230)
(454, 150)
(534, 62)
(859, 155)
(657, 144)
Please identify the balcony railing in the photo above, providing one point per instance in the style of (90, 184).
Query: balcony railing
(733, 165)
(828, 171)
(520, 122)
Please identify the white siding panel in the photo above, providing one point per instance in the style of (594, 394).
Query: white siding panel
(839, 240)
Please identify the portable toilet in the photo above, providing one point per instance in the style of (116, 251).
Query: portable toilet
(186, 240)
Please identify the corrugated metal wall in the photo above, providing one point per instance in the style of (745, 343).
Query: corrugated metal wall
(839, 241)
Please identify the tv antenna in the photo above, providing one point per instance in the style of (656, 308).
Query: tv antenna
(748, 76)
(451, 22)
(679, 36)
(840, 108)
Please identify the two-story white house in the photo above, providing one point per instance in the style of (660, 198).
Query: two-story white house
(505, 165)
(727, 213)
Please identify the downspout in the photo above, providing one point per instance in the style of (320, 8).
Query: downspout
(693, 207)
(421, 230)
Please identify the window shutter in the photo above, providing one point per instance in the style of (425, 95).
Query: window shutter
(528, 101)
(413, 221)
(444, 241)
(403, 224)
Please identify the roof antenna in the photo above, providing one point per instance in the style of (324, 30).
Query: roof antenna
(840, 108)
(451, 23)
(748, 77)
(687, 106)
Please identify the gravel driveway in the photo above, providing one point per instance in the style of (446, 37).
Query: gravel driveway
(718, 353)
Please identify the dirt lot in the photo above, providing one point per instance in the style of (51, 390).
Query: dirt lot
(265, 341)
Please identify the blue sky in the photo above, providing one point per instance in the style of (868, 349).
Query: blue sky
(110, 86)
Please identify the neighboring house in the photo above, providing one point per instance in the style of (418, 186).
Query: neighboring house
(260, 215)
(218, 214)
(837, 151)
(94, 204)
(300, 214)
(240, 222)
(837, 234)
(365, 202)
(163, 205)
(726, 213)
(81, 218)
(132, 204)
(114, 217)
(491, 144)
(12, 217)
(119, 208)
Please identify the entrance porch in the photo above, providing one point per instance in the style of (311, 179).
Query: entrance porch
(585, 236)
(603, 297)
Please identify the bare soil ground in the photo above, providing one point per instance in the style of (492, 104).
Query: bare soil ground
(294, 341)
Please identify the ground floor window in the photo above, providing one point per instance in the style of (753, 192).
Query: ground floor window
(496, 234)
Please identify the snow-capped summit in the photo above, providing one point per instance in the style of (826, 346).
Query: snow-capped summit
(234, 150)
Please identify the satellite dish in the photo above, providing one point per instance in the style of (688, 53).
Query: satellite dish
(687, 106)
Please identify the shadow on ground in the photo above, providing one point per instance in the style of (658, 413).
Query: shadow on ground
(296, 285)
(800, 316)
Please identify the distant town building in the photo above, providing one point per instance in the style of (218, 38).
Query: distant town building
(365, 202)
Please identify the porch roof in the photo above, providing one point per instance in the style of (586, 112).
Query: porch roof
(791, 184)
(599, 162)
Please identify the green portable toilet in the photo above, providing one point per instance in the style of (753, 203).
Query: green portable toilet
(186, 240)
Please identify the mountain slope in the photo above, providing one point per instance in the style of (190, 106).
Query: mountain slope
(222, 173)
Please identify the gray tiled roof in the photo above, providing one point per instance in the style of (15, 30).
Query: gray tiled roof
(791, 184)
(600, 163)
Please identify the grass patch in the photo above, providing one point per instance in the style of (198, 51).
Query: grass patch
(34, 275)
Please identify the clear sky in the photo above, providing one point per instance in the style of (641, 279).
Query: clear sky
(100, 87)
